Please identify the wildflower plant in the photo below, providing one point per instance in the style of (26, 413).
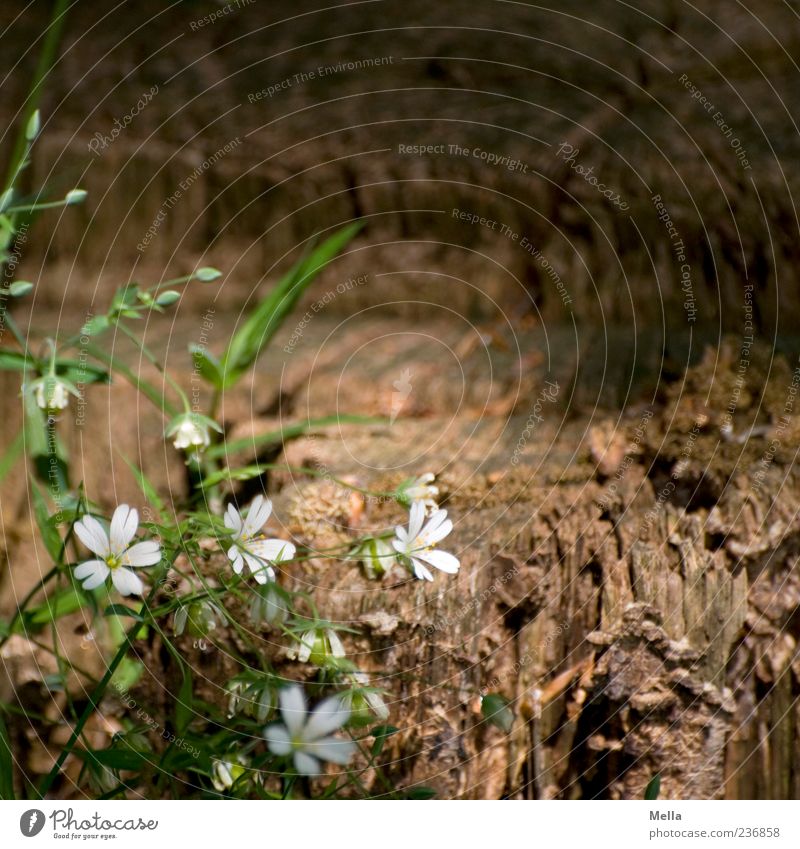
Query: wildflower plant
(200, 569)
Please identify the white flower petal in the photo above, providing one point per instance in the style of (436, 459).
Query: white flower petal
(274, 550)
(233, 520)
(400, 546)
(306, 765)
(415, 519)
(261, 571)
(146, 553)
(326, 717)
(293, 708)
(126, 582)
(257, 515)
(337, 649)
(377, 704)
(93, 571)
(421, 570)
(234, 555)
(437, 534)
(306, 646)
(124, 523)
(278, 739)
(92, 534)
(440, 559)
(332, 749)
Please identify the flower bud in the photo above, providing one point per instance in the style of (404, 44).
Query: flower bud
(197, 619)
(268, 605)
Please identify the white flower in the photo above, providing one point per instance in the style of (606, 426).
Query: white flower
(189, 434)
(257, 553)
(51, 393)
(307, 736)
(318, 644)
(115, 551)
(224, 774)
(421, 490)
(417, 542)
(355, 700)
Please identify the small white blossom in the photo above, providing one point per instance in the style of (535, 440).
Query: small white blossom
(115, 552)
(422, 490)
(51, 393)
(317, 644)
(268, 606)
(369, 698)
(306, 736)
(417, 542)
(225, 773)
(257, 552)
(191, 432)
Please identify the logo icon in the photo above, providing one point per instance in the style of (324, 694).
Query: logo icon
(31, 822)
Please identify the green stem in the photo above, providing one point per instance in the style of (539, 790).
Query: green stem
(95, 698)
(54, 28)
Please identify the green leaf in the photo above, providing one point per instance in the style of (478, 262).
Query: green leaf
(183, 704)
(289, 432)
(653, 788)
(269, 314)
(207, 365)
(122, 610)
(50, 536)
(19, 288)
(95, 325)
(12, 454)
(81, 373)
(61, 603)
(381, 733)
(15, 360)
(115, 758)
(420, 793)
(148, 489)
(496, 711)
(6, 764)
